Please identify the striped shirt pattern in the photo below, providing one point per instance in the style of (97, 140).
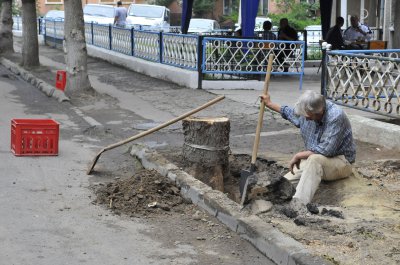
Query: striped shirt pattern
(330, 137)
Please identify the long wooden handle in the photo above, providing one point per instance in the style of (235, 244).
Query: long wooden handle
(164, 124)
(261, 113)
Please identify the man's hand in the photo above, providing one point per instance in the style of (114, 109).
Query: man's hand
(297, 159)
(269, 104)
(361, 31)
(294, 162)
(266, 98)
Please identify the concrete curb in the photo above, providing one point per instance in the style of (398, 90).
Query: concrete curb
(375, 132)
(277, 246)
(47, 89)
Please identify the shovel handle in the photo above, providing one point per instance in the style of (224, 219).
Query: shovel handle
(261, 113)
(183, 116)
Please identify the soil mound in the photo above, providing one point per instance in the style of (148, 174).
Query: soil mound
(146, 192)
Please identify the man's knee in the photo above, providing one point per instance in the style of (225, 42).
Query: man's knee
(316, 158)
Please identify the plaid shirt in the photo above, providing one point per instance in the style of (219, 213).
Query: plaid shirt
(330, 137)
(268, 35)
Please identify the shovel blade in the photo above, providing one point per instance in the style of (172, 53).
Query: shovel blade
(244, 175)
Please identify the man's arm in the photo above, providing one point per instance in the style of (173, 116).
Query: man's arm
(286, 112)
(269, 104)
(295, 161)
(116, 17)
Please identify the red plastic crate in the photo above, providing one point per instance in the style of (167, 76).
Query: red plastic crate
(34, 137)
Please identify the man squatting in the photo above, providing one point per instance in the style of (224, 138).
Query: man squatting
(329, 145)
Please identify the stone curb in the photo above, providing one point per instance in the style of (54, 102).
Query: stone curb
(275, 245)
(47, 89)
(375, 132)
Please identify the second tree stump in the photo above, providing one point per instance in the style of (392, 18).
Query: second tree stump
(206, 149)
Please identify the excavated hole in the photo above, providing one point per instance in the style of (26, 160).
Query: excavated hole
(237, 163)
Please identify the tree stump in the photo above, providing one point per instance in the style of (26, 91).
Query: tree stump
(206, 149)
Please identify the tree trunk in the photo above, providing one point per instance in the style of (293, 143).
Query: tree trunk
(206, 149)
(75, 48)
(6, 22)
(30, 46)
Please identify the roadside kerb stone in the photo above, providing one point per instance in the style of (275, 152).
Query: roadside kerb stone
(47, 89)
(169, 73)
(277, 246)
(375, 132)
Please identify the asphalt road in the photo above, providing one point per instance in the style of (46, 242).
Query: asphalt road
(47, 215)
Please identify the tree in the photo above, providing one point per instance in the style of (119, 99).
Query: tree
(6, 22)
(165, 3)
(75, 47)
(300, 15)
(30, 44)
(203, 7)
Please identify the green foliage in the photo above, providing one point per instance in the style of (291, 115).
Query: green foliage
(16, 10)
(234, 15)
(202, 7)
(165, 3)
(300, 15)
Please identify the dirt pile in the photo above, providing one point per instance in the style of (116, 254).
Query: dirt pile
(146, 192)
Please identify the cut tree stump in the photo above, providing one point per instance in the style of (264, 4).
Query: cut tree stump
(206, 149)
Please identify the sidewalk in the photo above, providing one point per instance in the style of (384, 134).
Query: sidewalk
(144, 102)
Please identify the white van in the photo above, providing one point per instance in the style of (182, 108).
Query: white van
(150, 17)
(100, 14)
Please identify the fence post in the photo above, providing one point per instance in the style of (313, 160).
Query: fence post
(132, 42)
(323, 69)
(55, 34)
(161, 46)
(305, 44)
(92, 32)
(45, 30)
(110, 35)
(40, 26)
(200, 62)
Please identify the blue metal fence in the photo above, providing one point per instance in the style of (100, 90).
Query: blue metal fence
(167, 48)
(248, 56)
(208, 55)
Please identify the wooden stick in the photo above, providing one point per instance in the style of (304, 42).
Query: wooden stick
(261, 113)
(142, 134)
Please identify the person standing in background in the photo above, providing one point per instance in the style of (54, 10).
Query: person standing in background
(120, 15)
(334, 35)
(286, 33)
(267, 34)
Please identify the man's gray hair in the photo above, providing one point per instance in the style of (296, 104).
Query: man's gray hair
(310, 102)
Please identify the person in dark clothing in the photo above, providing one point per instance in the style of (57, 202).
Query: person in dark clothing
(267, 34)
(286, 33)
(334, 35)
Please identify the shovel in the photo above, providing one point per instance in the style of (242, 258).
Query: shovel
(245, 175)
(142, 134)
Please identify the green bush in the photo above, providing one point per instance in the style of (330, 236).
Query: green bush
(300, 15)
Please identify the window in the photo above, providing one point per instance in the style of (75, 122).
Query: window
(227, 7)
(106, 1)
(54, 2)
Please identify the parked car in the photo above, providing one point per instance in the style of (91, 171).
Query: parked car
(258, 23)
(54, 15)
(149, 17)
(314, 34)
(200, 25)
(101, 14)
